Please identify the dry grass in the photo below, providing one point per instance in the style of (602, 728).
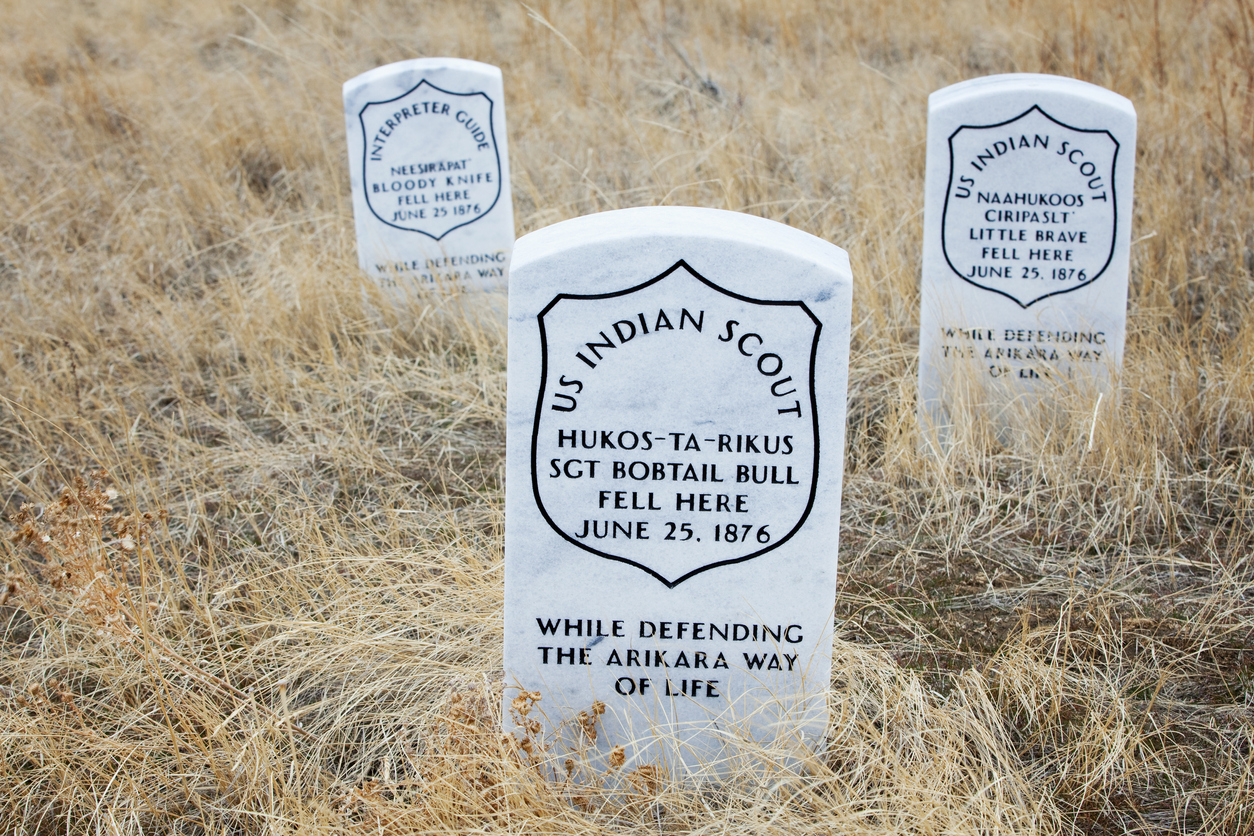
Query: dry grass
(280, 612)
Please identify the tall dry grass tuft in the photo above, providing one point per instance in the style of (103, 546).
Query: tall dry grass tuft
(1049, 633)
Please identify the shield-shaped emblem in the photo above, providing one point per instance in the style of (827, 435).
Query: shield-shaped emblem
(431, 163)
(1030, 208)
(675, 426)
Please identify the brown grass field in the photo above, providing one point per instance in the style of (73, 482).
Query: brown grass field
(279, 612)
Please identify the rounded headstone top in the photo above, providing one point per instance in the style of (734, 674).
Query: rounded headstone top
(419, 66)
(676, 222)
(1027, 84)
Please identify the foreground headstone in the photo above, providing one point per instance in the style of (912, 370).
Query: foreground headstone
(676, 425)
(1028, 211)
(430, 174)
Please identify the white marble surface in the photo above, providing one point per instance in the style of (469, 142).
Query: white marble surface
(1028, 210)
(429, 161)
(676, 417)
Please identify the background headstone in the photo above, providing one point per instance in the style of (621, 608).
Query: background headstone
(676, 422)
(430, 174)
(1028, 211)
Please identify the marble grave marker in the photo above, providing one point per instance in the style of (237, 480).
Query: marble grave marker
(675, 432)
(1028, 209)
(430, 174)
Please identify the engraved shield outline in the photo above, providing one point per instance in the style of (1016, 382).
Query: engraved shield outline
(1114, 203)
(365, 152)
(544, 380)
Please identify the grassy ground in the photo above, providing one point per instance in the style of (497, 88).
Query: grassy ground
(279, 611)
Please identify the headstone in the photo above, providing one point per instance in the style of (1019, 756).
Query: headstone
(1028, 210)
(675, 433)
(430, 174)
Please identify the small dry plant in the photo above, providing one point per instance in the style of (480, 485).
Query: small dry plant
(91, 561)
(78, 539)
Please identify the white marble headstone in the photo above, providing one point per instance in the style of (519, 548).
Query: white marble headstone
(676, 423)
(430, 174)
(1028, 211)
